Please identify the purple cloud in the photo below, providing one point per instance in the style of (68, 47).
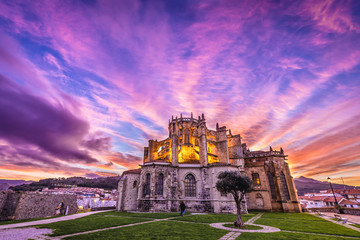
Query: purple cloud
(27, 119)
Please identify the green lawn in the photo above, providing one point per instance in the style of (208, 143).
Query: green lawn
(247, 227)
(159, 230)
(356, 225)
(214, 218)
(25, 220)
(303, 222)
(91, 222)
(196, 226)
(286, 236)
(142, 215)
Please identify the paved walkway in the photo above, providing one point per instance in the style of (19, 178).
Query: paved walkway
(50, 220)
(329, 216)
(237, 231)
(351, 218)
(16, 233)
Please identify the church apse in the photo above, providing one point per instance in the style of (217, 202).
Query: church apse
(193, 151)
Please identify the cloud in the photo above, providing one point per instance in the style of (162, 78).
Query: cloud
(28, 119)
(279, 73)
(127, 160)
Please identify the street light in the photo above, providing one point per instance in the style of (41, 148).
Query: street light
(336, 202)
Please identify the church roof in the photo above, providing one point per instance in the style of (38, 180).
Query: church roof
(133, 171)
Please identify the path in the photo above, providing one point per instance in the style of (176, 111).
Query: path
(351, 219)
(20, 233)
(235, 232)
(109, 228)
(50, 220)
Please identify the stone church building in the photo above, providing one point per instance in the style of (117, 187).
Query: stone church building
(185, 166)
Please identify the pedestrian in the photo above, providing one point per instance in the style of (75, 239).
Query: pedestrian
(182, 208)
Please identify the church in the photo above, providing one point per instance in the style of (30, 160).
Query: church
(184, 167)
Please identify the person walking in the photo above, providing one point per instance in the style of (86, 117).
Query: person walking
(182, 208)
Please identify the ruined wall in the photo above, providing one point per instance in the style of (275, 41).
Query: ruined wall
(3, 196)
(28, 205)
(37, 205)
(10, 203)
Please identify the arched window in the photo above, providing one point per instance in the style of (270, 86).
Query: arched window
(187, 136)
(271, 185)
(135, 184)
(285, 187)
(256, 179)
(190, 186)
(146, 189)
(160, 184)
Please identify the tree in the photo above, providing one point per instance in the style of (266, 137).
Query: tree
(237, 185)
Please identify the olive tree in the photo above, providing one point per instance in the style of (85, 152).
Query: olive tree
(237, 185)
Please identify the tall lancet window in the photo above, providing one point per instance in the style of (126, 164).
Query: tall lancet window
(187, 136)
(146, 189)
(271, 185)
(190, 186)
(160, 184)
(285, 187)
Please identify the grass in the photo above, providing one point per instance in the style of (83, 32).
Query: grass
(142, 215)
(247, 227)
(303, 222)
(159, 230)
(26, 220)
(196, 226)
(286, 236)
(214, 218)
(88, 223)
(356, 225)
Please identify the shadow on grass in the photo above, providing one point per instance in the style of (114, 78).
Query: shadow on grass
(159, 230)
(303, 222)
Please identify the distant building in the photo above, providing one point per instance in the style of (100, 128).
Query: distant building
(326, 201)
(185, 167)
(88, 197)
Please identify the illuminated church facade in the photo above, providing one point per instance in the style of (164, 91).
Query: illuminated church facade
(185, 166)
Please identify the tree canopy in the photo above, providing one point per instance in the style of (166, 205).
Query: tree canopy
(237, 185)
(232, 182)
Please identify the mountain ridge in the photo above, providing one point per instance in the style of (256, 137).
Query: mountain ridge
(310, 185)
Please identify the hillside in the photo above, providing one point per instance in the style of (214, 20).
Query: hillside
(305, 185)
(101, 182)
(5, 184)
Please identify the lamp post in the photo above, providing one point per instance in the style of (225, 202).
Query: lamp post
(336, 202)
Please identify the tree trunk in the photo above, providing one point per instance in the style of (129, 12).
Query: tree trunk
(238, 222)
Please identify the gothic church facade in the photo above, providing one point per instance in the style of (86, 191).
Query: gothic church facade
(185, 166)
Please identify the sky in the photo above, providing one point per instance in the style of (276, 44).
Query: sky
(85, 84)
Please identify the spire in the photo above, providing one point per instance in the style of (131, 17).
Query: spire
(271, 149)
(172, 117)
(217, 126)
(191, 115)
(180, 115)
(230, 132)
(281, 150)
(202, 116)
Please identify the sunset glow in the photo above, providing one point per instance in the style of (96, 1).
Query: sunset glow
(85, 84)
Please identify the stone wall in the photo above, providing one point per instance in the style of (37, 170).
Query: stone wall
(3, 196)
(9, 206)
(34, 205)
(128, 192)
